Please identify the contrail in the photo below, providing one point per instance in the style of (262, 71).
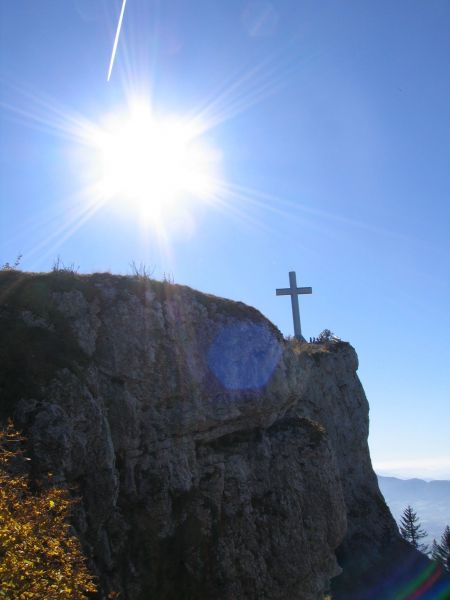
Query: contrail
(116, 40)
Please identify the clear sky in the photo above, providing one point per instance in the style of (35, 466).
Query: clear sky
(330, 132)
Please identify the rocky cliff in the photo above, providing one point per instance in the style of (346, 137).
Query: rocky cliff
(214, 459)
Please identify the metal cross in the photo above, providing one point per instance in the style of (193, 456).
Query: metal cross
(293, 292)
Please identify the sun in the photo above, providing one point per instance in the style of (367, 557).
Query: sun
(152, 163)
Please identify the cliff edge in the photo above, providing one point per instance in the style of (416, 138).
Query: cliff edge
(214, 459)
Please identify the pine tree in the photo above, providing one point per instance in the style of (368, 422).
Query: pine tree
(441, 552)
(434, 552)
(411, 529)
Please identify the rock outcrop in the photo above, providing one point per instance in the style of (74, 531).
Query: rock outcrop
(214, 460)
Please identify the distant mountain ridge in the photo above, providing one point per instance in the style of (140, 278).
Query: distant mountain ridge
(430, 500)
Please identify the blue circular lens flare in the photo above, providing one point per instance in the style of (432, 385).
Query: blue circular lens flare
(244, 355)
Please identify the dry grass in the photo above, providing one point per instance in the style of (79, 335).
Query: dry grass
(299, 346)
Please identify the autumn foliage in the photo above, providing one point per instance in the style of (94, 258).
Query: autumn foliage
(39, 558)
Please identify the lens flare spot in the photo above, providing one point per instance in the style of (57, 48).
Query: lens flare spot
(244, 356)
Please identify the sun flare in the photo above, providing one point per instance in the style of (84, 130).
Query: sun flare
(151, 162)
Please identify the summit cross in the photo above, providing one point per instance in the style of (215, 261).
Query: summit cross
(293, 291)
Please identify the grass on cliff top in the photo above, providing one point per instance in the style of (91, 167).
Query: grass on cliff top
(300, 347)
(36, 339)
(32, 291)
(32, 350)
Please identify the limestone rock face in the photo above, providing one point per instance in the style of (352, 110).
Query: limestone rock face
(214, 460)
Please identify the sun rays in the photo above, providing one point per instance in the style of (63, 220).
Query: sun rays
(149, 164)
(152, 163)
(159, 167)
(159, 164)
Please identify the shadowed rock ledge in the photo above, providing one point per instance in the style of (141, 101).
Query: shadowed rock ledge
(214, 460)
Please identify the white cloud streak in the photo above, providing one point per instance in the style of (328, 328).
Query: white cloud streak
(116, 40)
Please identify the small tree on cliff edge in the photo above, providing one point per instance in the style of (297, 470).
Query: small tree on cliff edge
(38, 556)
(411, 529)
(325, 336)
(441, 552)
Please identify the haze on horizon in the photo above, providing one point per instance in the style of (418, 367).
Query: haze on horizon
(309, 136)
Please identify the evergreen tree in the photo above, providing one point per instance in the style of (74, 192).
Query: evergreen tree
(411, 529)
(434, 552)
(441, 552)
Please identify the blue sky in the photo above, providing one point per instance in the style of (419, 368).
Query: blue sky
(331, 118)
